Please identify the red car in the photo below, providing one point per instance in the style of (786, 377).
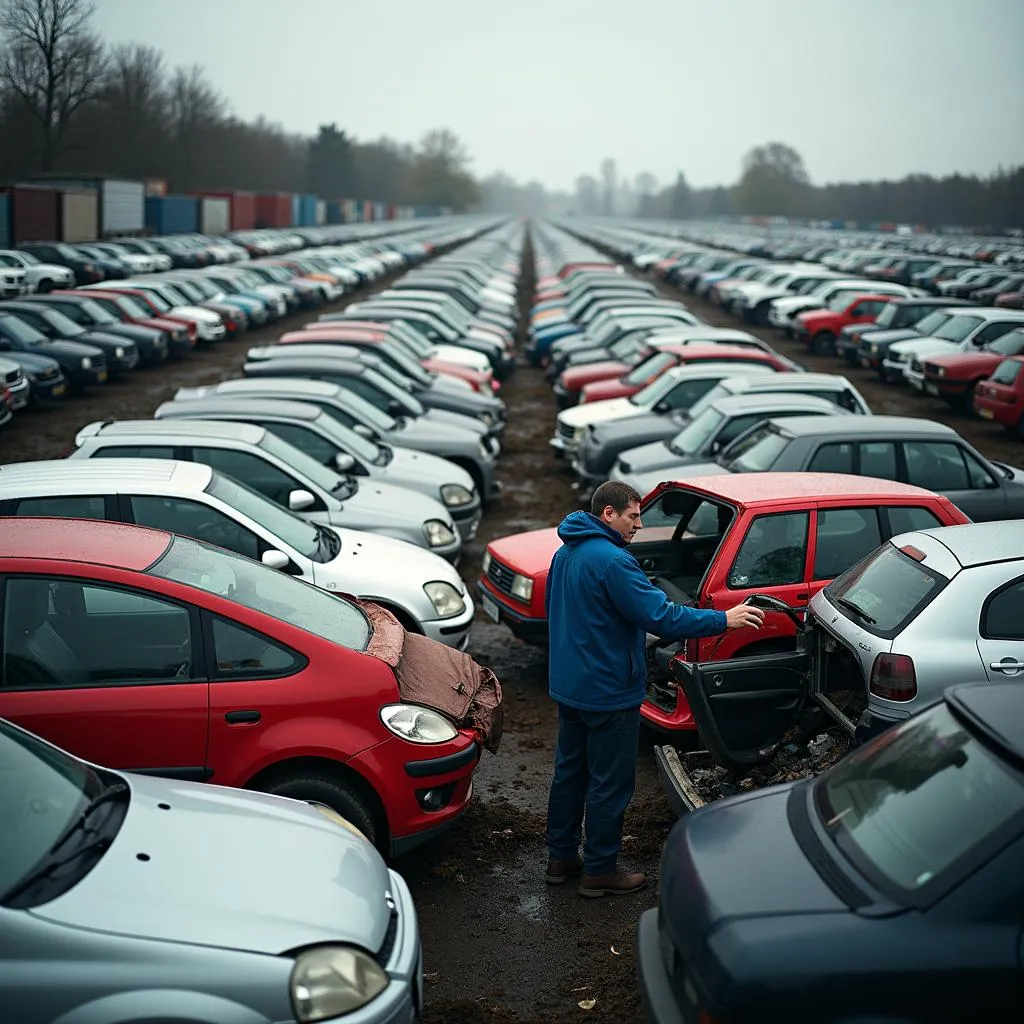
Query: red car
(819, 328)
(181, 337)
(1001, 397)
(955, 377)
(150, 652)
(714, 541)
(142, 300)
(598, 381)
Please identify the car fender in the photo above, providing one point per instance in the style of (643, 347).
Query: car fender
(169, 1006)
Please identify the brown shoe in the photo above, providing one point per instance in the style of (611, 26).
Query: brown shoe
(560, 870)
(619, 883)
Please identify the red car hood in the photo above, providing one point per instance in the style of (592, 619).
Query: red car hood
(615, 388)
(816, 320)
(966, 362)
(576, 377)
(529, 554)
(479, 379)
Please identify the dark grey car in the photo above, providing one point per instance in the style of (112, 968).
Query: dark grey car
(903, 448)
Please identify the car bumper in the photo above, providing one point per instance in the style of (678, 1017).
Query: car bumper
(19, 395)
(945, 388)
(467, 519)
(675, 780)
(873, 722)
(893, 370)
(915, 378)
(998, 412)
(13, 291)
(453, 632)
(402, 1001)
(657, 1000)
(527, 628)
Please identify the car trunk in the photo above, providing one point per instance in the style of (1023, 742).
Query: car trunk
(439, 677)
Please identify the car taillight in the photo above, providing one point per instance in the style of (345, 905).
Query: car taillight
(893, 678)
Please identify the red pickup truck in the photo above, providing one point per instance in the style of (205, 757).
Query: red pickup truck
(819, 328)
(956, 377)
(711, 542)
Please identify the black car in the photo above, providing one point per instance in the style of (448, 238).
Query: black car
(895, 315)
(122, 355)
(86, 271)
(888, 888)
(152, 344)
(82, 365)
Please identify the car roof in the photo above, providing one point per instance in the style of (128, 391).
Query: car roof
(70, 476)
(994, 709)
(342, 365)
(295, 385)
(981, 543)
(247, 432)
(241, 405)
(750, 489)
(737, 405)
(786, 382)
(800, 426)
(707, 367)
(92, 541)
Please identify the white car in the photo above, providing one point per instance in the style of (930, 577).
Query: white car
(34, 277)
(424, 591)
(209, 325)
(783, 312)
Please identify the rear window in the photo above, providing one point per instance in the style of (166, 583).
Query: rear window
(914, 809)
(1007, 371)
(885, 591)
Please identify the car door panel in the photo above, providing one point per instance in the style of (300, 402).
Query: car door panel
(1001, 633)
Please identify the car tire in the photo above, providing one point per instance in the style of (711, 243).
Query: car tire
(321, 788)
(823, 343)
(44, 287)
(966, 400)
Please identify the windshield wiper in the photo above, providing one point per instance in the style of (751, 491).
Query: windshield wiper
(384, 455)
(857, 610)
(328, 544)
(48, 866)
(347, 486)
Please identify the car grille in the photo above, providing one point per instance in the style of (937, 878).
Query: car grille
(501, 576)
(12, 377)
(566, 431)
(931, 368)
(897, 357)
(99, 362)
(915, 366)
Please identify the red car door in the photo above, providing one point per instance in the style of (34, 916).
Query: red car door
(113, 674)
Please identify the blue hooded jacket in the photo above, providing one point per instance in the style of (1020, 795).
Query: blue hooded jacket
(600, 605)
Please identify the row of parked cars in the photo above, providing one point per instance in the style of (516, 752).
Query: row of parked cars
(256, 589)
(888, 554)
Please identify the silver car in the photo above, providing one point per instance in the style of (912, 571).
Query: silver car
(926, 610)
(280, 472)
(130, 898)
(13, 378)
(421, 589)
(323, 438)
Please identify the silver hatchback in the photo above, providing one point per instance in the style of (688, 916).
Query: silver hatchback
(924, 611)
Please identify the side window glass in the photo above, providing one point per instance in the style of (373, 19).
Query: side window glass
(684, 395)
(249, 469)
(177, 515)
(878, 458)
(361, 388)
(773, 552)
(1003, 615)
(241, 653)
(844, 536)
(992, 331)
(935, 465)
(307, 441)
(734, 427)
(62, 633)
(905, 520)
(976, 472)
(134, 451)
(88, 506)
(832, 458)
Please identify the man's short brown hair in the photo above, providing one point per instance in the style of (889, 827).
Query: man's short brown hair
(615, 493)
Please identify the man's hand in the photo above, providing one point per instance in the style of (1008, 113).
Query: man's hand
(742, 616)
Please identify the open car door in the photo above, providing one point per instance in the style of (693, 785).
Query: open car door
(743, 707)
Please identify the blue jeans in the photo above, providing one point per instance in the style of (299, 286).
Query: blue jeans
(595, 771)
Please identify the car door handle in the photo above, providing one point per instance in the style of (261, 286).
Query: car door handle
(1007, 664)
(241, 717)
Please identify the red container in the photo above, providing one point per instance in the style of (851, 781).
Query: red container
(243, 208)
(274, 210)
(35, 213)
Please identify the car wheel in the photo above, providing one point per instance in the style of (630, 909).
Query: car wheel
(322, 788)
(823, 343)
(966, 401)
(44, 287)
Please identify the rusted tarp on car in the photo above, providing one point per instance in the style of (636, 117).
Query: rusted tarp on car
(437, 676)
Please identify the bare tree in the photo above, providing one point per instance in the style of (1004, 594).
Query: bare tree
(51, 62)
(194, 110)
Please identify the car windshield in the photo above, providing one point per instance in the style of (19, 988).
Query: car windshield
(28, 259)
(160, 303)
(958, 327)
(650, 368)
(932, 322)
(300, 535)
(1010, 344)
(253, 585)
(909, 808)
(95, 312)
(133, 307)
(754, 452)
(887, 315)
(348, 440)
(65, 326)
(649, 396)
(22, 332)
(886, 590)
(695, 436)
(840, 301)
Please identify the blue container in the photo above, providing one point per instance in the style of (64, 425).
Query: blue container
(172, 215)
(307, 210)
(296, 211)
(335, 214)
(5, 221)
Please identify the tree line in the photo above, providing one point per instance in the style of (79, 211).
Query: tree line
(71, 104)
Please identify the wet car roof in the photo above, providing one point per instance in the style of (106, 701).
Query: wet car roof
(82, 540)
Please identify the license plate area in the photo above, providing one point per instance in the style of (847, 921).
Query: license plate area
(490, 607)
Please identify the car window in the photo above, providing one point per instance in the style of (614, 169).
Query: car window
(936, 465)
(773, 552)
(842, 538)
(251, 470)
(832, 458)
(306, 440)
(133, 451)
(682, 509)
(63, 633)
(242, 653)
(992, 331)
(908, 810)
(1007, 371)
(194, 519)
(878, 458)
(905, 519)
(1003, 615)
(86, 506)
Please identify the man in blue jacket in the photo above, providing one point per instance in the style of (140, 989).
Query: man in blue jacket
(600, 607)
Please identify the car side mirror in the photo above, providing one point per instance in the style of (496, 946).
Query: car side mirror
(343, 462)
(395, 407)
(300, 499)
(662, 406)
(274, 559)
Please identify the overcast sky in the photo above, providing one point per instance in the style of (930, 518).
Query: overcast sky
(545, 89)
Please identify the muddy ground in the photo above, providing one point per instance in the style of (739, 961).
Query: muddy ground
(499, 944)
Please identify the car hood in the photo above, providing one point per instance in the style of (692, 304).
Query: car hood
(460, 395)
(34, 362)
(39, 269)
(423, 471)
(527, 553)
(427, 434)
(890, 335)
(213, 875)
(205, 316)
(600, 412)
(795, 302)
(383, 507)
(462, 356)
(70, 349)
(635, 430)
(923, 347)
(647, 458)
(576, 377)
(447, 418)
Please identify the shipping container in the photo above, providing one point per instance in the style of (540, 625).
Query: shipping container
(321, 212)
(172, 215)
(348, 211)
(241, 208)
(273, 210)
(79, 215)
(214, 215)
(122, 202)
(35, 213)
(334, 212)
(5, 220)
